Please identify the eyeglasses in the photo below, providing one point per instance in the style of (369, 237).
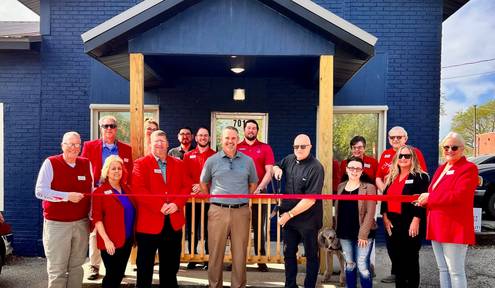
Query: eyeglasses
(357, 147)
(395, 137)
(300, 146)
(73, 145)
(151, 129)
(108, 126)
(447, 147)
(185, 134)
(355, 169)
(405, 156)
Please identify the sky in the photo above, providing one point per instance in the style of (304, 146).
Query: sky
(467, 36)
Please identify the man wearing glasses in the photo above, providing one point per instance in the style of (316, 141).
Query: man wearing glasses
(301, 219)
(228, 172)
(185, 137)
(397, 137)
(64, 184)
(97, 151)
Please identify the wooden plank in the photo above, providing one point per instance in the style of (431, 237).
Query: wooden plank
(325, 135)
(137, 103)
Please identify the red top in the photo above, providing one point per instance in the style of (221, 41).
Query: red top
(386, 161)
(370, 167)
(395, 189)
(450, 204)
(110, 211)
(69, 179)
(261, 153)
(194, 162)
(93, 149)
(147, 180)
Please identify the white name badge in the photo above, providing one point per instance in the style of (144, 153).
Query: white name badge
(241, 149)
(409, 181)
(158, 171)
(450, 172)
(387, 156)
(108, 192)
(81, 178)
(367, 165)
(192, 156)
(126, 160)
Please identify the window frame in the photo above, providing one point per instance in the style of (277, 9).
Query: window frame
(97, 108)
(2, 191)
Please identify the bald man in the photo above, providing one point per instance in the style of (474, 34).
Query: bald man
(301, 219)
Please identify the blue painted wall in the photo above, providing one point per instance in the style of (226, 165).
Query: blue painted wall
(41, 106)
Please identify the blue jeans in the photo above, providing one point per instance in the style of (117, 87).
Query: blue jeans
(357, 259)
(450, 260)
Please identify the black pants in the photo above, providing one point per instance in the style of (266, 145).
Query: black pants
(254, 224)
(393, 271)
(115, 265)
(405, 250)
(292, 237)
(168, 243)
(197, 228)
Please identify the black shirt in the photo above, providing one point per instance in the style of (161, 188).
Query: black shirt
(348, 227)
(303, 177)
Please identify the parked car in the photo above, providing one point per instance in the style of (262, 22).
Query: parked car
(6, 237)
(484, 196)
(483, 159)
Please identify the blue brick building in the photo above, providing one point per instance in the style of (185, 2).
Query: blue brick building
(56, 81)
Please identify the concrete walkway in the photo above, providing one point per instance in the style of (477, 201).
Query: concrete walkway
(31, 272)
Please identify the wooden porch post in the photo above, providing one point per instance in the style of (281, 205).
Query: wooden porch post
(137, 103)
(325, 136)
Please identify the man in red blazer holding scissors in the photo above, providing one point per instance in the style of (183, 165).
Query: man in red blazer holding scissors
(159, 217)
(97, 151)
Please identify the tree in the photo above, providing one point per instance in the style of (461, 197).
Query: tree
(463, 122)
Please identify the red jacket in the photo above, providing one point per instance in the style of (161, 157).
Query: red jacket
(110, 211)
(147, 180)
(450, 204)
(92, 151)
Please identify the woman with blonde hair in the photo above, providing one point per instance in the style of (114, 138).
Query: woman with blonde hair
(449, 206)
(403, 221)
(113, 217)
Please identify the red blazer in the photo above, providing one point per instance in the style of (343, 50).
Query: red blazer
(147, 180)
(92, 151)
(450, 205)
(110, 211)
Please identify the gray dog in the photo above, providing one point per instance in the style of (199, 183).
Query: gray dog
(327, 239)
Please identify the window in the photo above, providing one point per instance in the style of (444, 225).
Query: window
(220, 120)
(367, 121)
(1, 158)
(121, 112)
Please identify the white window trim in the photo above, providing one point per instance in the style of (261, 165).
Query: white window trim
(95, 108)
(236, 115)
(1, 160)
(382, 120)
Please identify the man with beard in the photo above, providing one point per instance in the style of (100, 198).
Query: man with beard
(185, 143)
(225, 173)
(194, 161)
(97, 151)
(263, 158)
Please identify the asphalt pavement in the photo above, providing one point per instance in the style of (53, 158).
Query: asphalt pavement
(30, 272)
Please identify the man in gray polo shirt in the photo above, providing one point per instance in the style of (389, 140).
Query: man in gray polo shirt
(228, 172)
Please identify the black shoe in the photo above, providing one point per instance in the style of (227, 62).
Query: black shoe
(262, 267)
(191, 266)
(228, 267)
(93, 273)
(205, 266)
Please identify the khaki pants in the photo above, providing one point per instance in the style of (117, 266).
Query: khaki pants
(224, 222)
(66, 245)
(94, 252)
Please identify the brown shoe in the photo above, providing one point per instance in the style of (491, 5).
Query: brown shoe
(94, 273)
(262, 267)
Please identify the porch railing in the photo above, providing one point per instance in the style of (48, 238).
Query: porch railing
(273, 248)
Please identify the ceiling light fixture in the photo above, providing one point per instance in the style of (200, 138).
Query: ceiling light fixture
(237, 70)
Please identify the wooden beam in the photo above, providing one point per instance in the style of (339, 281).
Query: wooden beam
(136, 80)
(325, 136)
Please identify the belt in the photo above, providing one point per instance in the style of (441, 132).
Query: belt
(230, 205)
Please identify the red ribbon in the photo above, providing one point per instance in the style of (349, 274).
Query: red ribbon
(386, 198)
